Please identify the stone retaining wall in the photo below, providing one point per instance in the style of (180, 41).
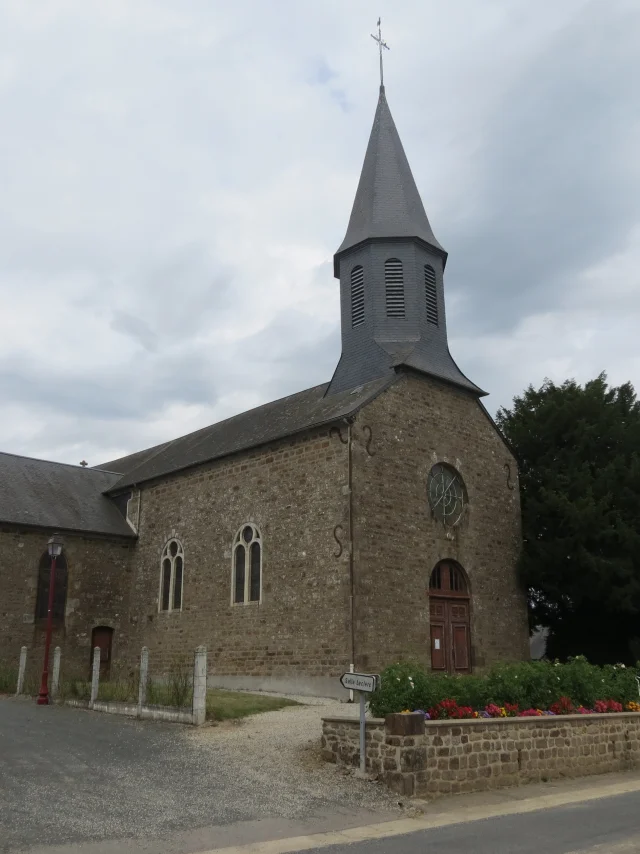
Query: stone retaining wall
(446, 757)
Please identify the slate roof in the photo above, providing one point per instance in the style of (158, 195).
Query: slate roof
(58, 496)
(266, 423)
(387, 202)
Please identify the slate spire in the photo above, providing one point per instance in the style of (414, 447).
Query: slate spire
(391, 268)
(387, 202)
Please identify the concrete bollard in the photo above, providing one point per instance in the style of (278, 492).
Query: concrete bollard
(22, 668)
(199, 707)
(144, 675)
(95, 676)
(55, 676)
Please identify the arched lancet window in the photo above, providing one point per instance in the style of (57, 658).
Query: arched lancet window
(59, 588)
(357, 296)
(171, 576)
(449, 609)
(431, 294)
(247, 566)
(394, 287)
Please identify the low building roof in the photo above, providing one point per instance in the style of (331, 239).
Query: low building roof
(58, 496)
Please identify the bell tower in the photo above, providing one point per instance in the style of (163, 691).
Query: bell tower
(391, 269)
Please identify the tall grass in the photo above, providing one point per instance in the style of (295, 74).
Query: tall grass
(8, 679)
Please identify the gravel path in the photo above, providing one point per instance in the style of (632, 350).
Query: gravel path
(281, 750)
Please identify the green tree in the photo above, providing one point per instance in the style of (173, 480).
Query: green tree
(578, 449)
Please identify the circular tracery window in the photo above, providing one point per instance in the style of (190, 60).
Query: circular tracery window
(447, 494)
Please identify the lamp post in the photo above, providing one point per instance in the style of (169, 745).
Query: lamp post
(54, 547)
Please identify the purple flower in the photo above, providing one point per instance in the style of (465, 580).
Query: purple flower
(549, 712)
(484, 714)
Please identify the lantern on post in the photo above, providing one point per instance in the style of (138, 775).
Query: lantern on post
(54, 548)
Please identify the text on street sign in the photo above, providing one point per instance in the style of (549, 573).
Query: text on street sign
(359, 682)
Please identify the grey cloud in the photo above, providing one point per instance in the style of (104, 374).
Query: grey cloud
(554, 193)
(173, 180)
(136, 328)
(131, 391)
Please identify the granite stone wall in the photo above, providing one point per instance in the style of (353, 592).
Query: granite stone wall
(435, 758)
(295, 492)
(99, 580)
(398, 438)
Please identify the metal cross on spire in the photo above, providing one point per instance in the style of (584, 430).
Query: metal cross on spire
(381, 44)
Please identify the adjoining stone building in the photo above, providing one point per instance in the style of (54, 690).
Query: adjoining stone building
(369, 519)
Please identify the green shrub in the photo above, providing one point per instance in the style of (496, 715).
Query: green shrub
(529, 684)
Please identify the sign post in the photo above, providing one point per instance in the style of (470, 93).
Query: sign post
(363, 683)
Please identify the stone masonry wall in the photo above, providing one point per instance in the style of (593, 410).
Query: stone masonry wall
(295, 492)
(413, 425)
(447, 757)
(99, 578)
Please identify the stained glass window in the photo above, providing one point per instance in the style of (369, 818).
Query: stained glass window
(239, 573)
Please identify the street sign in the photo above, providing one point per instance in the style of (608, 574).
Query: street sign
(365, 682)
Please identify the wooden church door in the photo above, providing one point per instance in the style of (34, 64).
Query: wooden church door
(450, 619)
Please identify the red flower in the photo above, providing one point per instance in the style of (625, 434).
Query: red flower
(564, 706)
(607, 706)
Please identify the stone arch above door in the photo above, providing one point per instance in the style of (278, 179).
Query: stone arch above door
(450, 618)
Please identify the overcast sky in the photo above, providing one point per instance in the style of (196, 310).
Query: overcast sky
(175, 176)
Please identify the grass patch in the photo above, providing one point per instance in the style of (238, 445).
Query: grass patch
(229, 705)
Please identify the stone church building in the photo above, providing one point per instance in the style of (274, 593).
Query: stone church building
(373, 518)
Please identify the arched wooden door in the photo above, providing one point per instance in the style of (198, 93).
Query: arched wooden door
(450, 619)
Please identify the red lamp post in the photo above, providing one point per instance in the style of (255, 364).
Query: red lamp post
(54, 547)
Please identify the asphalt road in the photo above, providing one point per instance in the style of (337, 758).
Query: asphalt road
(72, 776)
(605, 826)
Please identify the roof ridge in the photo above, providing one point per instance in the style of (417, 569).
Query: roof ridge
(56, 462)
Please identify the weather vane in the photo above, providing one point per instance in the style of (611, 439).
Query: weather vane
(381, 44)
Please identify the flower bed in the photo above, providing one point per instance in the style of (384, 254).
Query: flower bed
(524, 689)
(450, 710)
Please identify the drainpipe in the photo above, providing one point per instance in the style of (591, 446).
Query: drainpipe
(352, 592)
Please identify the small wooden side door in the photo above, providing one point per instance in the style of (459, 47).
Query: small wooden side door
(102, 636)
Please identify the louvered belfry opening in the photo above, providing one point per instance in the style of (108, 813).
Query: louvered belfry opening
(431, 294)
(357, 296)
(394, 287)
